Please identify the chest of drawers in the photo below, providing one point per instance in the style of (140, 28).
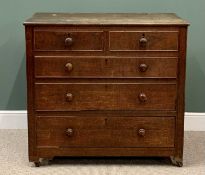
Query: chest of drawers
(105, 85)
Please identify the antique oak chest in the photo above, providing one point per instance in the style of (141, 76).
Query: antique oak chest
(105, 85)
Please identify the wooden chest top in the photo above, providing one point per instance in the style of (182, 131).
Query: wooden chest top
(106, 19)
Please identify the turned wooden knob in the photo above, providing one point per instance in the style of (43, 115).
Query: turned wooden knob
(143, 41)
(143, 67)
(68, 41)
(69, 132)
(141, 132)
(69, 97)
(69, 67)
(142, 97)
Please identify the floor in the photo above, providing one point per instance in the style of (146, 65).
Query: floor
(14, 160)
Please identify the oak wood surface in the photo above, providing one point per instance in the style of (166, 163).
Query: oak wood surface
(106, 19)
(177, 159)
(105, 132)
(56, 40)
(30, 96)
(83, 66)
(105, 152)
(104, 97)
(130, 40)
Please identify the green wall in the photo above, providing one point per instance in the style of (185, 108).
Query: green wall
(12, 44)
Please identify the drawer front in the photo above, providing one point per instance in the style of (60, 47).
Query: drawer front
(68, 40)
(105, 132)
(83, 96)
(104, 67)
(138, 41)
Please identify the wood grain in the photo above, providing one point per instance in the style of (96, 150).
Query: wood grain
(105, 132)
(46, 40)
(130, 41)
(105, 152)
(104, 97)
(106, 19)
(30, 96)
(111, 67)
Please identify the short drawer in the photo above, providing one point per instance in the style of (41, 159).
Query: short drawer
(100, 96)
(45, 40)
(108, 132)
(56, 66)
(143, 41)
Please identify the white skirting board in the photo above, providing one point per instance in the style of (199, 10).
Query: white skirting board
(18, 120)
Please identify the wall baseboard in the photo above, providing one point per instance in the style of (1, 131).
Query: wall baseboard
(13, 119)
(194, 121)
(18, 120)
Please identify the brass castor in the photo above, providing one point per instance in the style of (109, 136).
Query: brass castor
(37, 164)
(176, 161)
(43, 161)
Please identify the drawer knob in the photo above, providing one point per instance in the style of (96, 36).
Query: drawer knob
(68, 41)
(141, 132)
(69, 67)
(143, 67)
(69, 132)
(143, 41)
(69, 97)
(142, 97)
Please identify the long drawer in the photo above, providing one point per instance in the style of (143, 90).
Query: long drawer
(102, 96)
(99, 132)
(79, 66)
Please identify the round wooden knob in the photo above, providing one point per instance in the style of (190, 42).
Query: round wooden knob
(69, 97)
(141, 132)
(68, 41)
(142, 97)
(143, 40)
(69, 67)
(143, 67)
(69, 132)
